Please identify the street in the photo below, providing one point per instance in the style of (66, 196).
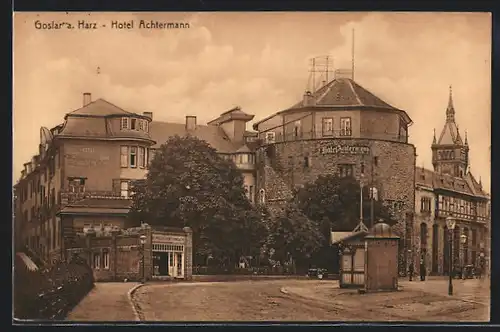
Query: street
(312, 300)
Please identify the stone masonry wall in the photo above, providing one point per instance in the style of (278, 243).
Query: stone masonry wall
(281, 168)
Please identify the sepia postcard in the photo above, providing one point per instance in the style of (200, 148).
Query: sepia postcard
(251, 167)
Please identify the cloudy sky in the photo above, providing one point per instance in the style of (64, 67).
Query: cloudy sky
(259, 61)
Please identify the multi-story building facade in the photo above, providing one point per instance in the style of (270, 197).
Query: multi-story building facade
(80, 177)
(341, 128)
(450, 190)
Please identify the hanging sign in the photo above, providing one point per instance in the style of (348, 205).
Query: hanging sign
(345, 149)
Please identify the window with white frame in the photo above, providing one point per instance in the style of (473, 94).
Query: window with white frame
(124, 189)
(142, 155)
(133, 156)
(146, 126)
(97, 261)
(105, 260)
(124, 123)
(141, 124)
(133, 124)
(327, 127)
(270, 137)
(124, 156)
(345, 127)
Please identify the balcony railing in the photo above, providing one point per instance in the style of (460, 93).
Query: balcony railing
(337, 134)
(68, 197)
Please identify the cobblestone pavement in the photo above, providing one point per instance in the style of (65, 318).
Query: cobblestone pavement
(303, 300)
(106, 302)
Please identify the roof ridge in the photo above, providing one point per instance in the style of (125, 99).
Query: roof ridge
(327, 90)
(354, 92)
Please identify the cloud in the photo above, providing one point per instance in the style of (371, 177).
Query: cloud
(259, 61)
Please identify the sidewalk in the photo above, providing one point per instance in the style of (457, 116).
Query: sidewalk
(106, 302)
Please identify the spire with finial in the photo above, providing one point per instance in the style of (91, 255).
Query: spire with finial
(450, 110)
(466, 142)
(434, 139)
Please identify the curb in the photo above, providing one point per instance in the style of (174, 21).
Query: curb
(134, 307)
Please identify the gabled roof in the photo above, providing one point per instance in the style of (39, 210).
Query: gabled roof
(213, 135)
(432, 180)
(342, 92)
(101, 108)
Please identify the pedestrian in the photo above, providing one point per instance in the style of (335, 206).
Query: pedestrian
(422, 269)
(410, 270)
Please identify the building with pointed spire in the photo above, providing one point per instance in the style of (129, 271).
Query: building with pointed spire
(450, 189)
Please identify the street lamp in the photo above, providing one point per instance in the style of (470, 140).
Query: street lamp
(463, 240)
(143, 242)
(450, 224)
(410, 267)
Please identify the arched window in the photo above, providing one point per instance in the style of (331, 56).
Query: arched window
(262, 196)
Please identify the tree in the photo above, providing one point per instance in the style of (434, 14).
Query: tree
(335, 203)
(292, 233)
(189, 184)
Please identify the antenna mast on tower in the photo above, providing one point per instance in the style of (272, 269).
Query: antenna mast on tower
(323, 65)
(352, 55)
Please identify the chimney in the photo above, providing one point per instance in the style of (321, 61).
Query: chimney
(190, 122)
(87, 98)
(148, 115)
(308, 99)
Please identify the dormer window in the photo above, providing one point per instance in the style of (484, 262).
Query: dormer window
(124, 123)
(141, 125)
(133, 124)
(146, 124)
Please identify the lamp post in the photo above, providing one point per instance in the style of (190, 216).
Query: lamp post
(450, 224)
(410, 266)
(143, 242)
(463, 240)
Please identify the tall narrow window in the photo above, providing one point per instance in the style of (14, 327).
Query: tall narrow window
(124, 123)
(133, 156)
(105, 260)
(146, 126)
(345, 127)
(97, 261)
(327, 127)
(124, 189)
(124, 156)
(141, 124)
(133, 124)
(142, 155)
(297, 129)
(252, 193)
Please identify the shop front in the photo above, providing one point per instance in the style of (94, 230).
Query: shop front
(170, 255)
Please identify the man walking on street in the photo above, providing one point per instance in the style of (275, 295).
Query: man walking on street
(422, 268)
